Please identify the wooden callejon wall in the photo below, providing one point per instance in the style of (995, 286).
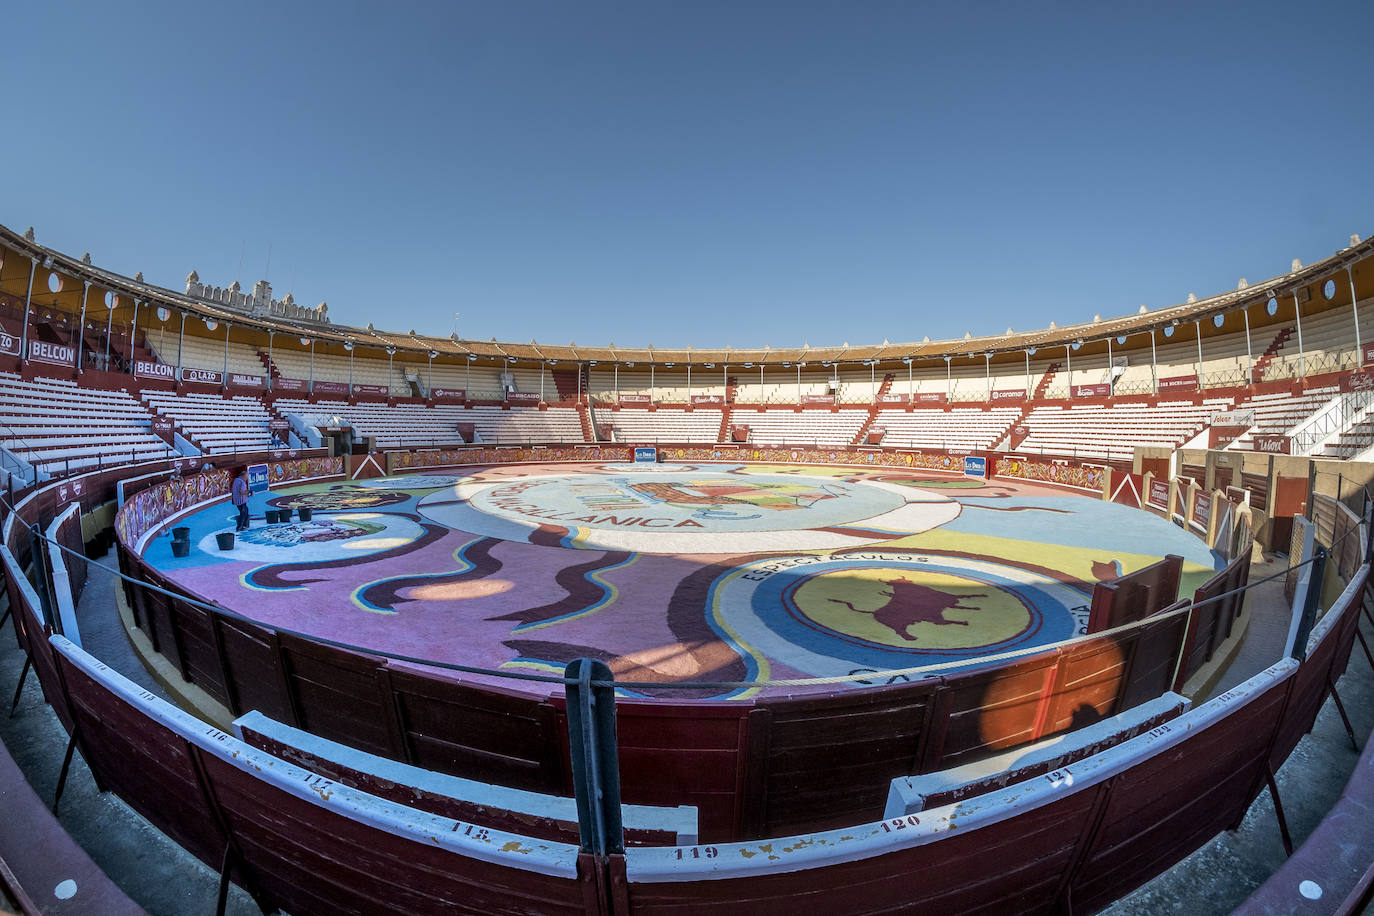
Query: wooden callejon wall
(1077, 837)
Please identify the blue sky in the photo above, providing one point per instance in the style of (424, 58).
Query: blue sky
(694, 173)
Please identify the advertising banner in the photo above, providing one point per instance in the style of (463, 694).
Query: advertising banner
(147, 368)
(1367, 353)
(290, 384)
(522, 397)
(635, 400)
(645, 454)
(930, 397)
(1202, 508)
(45, 352)
(826, 399)
(1274, 445)
(257, 478)
(1178, 383)
(1358, 381)
(893, 398)
(1101, 390)
(975, 466)
(331, 388)
(1159, 493)
(708, 400)
(278, 425)
(239, 380)
(372, 392)
(9, 344)
(1222, 436)
(448, 394)
(202, 376)
(1010, 394)
(162, 428)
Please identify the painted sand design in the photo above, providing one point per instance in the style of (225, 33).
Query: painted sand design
(721, 573)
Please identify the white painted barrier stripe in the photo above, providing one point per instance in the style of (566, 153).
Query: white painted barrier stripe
(486, 844)
(652, 865)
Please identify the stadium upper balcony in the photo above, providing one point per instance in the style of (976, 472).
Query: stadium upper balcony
(34, 276)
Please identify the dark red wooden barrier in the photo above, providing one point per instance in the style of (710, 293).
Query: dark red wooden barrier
(1136, 595)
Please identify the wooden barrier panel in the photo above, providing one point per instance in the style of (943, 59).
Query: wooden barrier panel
(339, 695)
(829, 759)
(482, 732)
(1170, 803)
(684, 754)
(145, 763)
(1136, 595)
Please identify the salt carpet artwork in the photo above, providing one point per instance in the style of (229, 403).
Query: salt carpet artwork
(738, 575)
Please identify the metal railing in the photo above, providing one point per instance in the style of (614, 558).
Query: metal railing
(1330, 421)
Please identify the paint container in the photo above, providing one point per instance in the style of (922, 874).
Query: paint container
(181, 534)
(181, 548)
(272, 517)
(283, 515)
(305, 513)
(225, 539)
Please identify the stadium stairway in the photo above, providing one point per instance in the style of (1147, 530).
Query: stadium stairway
(883, 389)
(1270, 352)
(1045, 380)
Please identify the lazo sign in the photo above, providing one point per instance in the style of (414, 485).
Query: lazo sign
(202, 376)
(9, 344)
(45, 352)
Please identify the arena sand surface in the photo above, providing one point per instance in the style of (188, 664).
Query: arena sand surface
(731, 573)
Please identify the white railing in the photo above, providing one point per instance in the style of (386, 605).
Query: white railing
(1343, 412)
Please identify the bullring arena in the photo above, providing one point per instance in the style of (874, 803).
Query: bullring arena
(1005, 624)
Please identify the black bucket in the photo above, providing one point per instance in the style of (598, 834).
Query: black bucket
(225, 540)
(181, 548)
(181, 534)
(283, 515)
(305, 513)
(272, 517)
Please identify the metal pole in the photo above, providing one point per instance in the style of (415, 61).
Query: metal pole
(28, 298)
(1111, 370)
(615, 381)
(109, 325)
(1154, 364)
(1068, 359)
(271, 336)
(133, 332)
(1355, 311)
(81, 328)
(910, 385)
(987, 372)
(224, 376)
(541, 381)
(653, 392)
(1028, 387)
(1302, 357)
(311, 384)
(689, 383)
(949, 381)
(1197, 326)
(350, 372)
(1249, 354)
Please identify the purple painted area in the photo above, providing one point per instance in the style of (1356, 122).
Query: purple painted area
(401, 584)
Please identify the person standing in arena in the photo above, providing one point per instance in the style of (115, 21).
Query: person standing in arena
(238, 495)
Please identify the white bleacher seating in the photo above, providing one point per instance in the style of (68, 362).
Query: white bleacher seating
(951, 429)
(217, 424)
(422, 425)
(56, 425)
(662, 425)
(1097, 431)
